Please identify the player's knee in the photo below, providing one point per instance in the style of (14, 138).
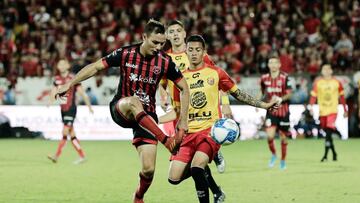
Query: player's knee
(148, 172)
(174, 182)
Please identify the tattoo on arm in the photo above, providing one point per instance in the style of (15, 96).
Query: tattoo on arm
(246, 98)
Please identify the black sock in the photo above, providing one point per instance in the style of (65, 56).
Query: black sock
(216, 159)
(212, 184)
(201, 184)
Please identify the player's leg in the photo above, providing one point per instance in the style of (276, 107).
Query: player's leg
(328, 138)
(284, 131)
(332, 130)
(198, 165)
(131, 108)
(270, 127)
(147, 155)
(219, 195)
(76, 144)
(219, 161)
(61, 145)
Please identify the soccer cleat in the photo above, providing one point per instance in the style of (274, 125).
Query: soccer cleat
(79, 161)
(335, 157)
(282, 165)
(220, 162)
(137, 200)
(272, 161)
(52, 158)
(220, 197)
(173, 143)
(323, 159)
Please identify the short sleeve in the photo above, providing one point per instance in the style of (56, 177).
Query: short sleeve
(173, 73)
(225, 82)
(113, 59)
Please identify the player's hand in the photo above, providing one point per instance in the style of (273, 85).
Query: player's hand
(272, 105)
(226, 111)
(91, 110)
(346, 114)
(182, 124)
(61, 91)
(164, 105)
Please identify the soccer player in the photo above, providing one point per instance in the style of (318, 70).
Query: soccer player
(176, 34)
(68, 111)
(141, 68)
(275, 85)
(198, 148)
(327, 91)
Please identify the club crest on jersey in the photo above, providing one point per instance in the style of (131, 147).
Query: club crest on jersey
(157, 70)
(211, 81)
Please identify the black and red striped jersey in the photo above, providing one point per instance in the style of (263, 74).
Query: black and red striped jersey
(69, 102)
(140, 75)
(278, 86)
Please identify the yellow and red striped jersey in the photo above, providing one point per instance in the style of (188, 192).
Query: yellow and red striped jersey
(204, 84)
(327, 93)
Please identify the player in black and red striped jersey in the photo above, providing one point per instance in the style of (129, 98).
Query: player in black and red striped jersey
(68, 111)
(275, 85)
(141, 68)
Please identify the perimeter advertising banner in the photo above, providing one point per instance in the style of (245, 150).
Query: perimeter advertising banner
(99, 126)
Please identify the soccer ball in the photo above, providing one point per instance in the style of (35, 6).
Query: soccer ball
(225, 131)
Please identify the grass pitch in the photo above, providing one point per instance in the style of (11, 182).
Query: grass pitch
(111, 174)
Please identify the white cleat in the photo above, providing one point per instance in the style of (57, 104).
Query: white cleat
(79, 161)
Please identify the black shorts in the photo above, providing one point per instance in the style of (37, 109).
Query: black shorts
(138, 132)
(282, 123)
(68, 117)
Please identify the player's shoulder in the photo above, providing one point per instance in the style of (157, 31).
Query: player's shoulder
(164, 56)
(265, 76)
(283, 74)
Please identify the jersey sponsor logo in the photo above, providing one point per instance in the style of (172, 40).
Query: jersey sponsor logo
(198, 84)
(200, 116)
(129, 52)
(273, 89)
(130, 65)
(139, 78)
(198, 100)
(196, 75)
(178, 58)
(143, 97)
(211, 81)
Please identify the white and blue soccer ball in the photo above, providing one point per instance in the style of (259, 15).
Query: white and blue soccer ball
(225, 131)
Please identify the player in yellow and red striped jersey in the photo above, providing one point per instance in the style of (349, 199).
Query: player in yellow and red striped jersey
(327, 90)
(198, 148)
(176, 35)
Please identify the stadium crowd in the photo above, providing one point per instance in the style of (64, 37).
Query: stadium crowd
(34, 34)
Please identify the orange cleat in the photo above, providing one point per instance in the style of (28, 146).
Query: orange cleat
(53, 159)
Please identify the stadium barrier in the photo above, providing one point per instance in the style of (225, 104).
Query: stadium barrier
(99, 126)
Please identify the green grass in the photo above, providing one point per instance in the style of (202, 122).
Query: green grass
(111, 174)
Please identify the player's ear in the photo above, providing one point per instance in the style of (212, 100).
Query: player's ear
(144, 36)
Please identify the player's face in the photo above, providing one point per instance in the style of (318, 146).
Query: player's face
(63, 66)
(195, 52)
(274, 64)
(176, 35)
(153, 43)
(326, 70)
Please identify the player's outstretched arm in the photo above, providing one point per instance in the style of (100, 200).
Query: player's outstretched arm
(250, 100)
(167, 117)
(225, 104)
(52, 96)
(82, 75)
(184, 102)
(86, 99)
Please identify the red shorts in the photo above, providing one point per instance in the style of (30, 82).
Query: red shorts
(199, 141)
(328, 121)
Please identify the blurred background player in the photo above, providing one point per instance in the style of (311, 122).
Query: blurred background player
(327, 91)
(275, 85)
(68, 110)
(176, 34)
(198, 148)
(141, 66)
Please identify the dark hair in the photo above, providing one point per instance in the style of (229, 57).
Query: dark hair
(154, 26)
(196, 38)
(176, 22)
(274, 55)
